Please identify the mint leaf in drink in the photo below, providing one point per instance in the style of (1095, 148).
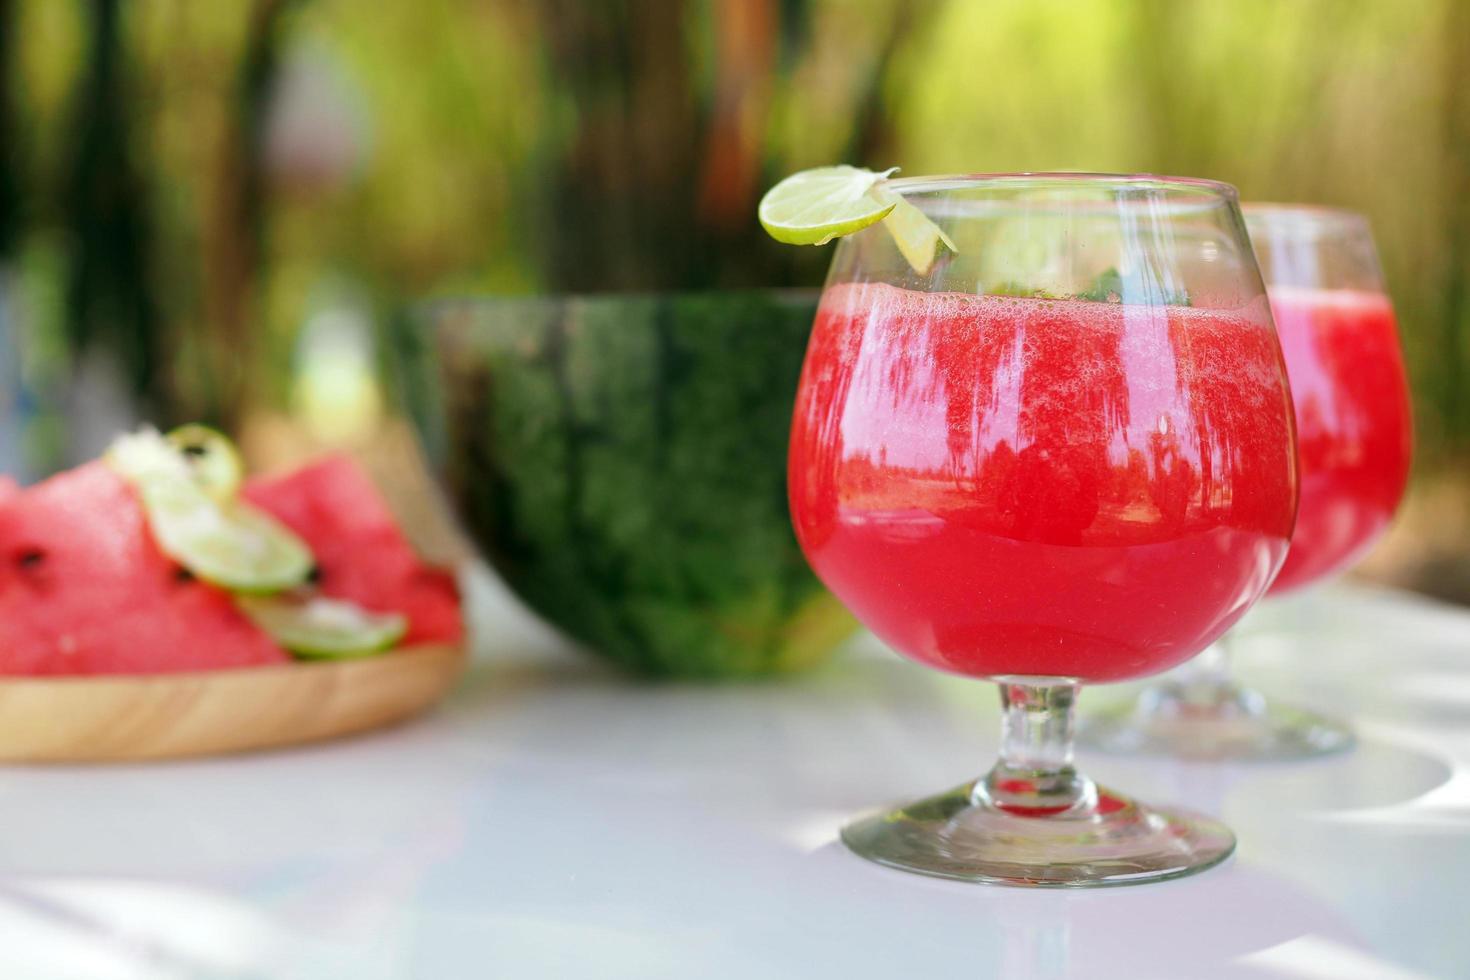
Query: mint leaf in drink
(1019, 290)
(1109, 286)
(1106, 287)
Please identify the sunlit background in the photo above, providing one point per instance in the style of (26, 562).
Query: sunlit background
(212, 210)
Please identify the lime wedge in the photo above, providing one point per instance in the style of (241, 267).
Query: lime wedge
(145, 455)
(194, 453)
(916, 236)
(211, 457)
(815, 206)
(230, 544)
(195, 519)
(325, 629)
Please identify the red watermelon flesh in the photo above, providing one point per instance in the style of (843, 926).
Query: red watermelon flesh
(84, 589)
(8, 488)
(361, 554)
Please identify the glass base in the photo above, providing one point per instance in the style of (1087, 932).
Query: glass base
(1111, 841)
(1216, 724)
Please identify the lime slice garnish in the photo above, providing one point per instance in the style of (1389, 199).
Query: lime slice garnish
(211, 457)
(916, 236)
(228, 543)
(322, 628)
(815, 206)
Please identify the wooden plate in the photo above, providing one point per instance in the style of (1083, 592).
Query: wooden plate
(98, 719)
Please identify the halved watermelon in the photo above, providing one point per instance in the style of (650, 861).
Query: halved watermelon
(361, 554)
(84, 589)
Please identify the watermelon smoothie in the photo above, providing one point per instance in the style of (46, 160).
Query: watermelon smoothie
(1353, 423)
(1003, 486)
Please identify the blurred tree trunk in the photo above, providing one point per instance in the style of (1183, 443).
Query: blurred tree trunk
(108, 297)
(1456, 197)
(9, 162)
(873, 137)
(652, 179)
(630, 164)
(235, 226)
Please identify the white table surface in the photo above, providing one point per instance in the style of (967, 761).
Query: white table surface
(554, 820)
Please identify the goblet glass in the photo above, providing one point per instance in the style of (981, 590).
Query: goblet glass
(1063, 455)
(1354, 434)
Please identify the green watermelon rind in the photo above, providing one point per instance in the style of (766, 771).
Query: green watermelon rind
(621, 461)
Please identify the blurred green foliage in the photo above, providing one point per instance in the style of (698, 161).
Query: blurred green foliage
(1353, 103)
(181, 183)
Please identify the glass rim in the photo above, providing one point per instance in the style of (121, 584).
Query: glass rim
(1308, 217)
(1201, 186)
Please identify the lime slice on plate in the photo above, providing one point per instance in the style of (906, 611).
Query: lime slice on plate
(192, 453)
(189, 495)
(326, 629)
(230, 544)
(815, 206)
(145, 455)
(211, 457)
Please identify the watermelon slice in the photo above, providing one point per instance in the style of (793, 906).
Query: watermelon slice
(84, 589)
(361, 554)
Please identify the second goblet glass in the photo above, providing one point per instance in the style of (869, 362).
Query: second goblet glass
(1340, 340)
(1063, 455)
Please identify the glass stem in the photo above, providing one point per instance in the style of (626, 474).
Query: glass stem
(1035, 775)
(1207, 683)
(1211, 669)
